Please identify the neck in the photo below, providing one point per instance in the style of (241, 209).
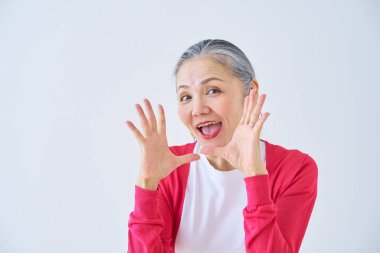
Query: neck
(220, 163)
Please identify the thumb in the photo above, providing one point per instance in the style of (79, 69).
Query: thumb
(187, 158)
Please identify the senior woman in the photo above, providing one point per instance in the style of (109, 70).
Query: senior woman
(229, 190)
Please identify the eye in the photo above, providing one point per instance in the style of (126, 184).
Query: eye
(184, 98)
(213, 91)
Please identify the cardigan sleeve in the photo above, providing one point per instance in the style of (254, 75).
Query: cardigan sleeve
(150, 223)
(279, 226)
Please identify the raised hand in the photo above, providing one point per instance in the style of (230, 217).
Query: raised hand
(243, 151)
(157, 161)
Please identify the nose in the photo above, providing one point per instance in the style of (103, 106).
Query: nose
(200, 107)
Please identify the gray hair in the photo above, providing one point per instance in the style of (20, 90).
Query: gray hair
(225, 53)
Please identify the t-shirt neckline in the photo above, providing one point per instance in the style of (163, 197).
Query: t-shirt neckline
(229, 175)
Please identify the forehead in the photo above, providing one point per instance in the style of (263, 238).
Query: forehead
(194, 71)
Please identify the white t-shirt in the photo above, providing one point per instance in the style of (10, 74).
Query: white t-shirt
(212, 216)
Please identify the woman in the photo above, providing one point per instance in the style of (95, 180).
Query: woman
(229, 191)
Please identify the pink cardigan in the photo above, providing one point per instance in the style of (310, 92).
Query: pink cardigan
(278, 209)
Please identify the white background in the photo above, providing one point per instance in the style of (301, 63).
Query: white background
(71, 72)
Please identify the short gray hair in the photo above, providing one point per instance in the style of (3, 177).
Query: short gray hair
(225, 53)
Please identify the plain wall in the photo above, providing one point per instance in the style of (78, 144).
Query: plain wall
(71, 72)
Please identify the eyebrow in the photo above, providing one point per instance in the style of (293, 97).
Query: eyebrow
(202, 83)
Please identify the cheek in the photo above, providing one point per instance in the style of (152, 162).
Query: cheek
(184, 115)
(233, 113)
(229, 109)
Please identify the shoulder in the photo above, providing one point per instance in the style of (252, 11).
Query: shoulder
(291, 164)
(173, 187)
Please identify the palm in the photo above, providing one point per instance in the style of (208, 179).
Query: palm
(241, 150)
(157, 160)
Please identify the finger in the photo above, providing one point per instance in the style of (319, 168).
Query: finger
(259, 124)
(140, 138)
(251, 105)
(151, 116)
(143, 120)
(161, 120)
(257, 110)
(187, 158)
(244, 110)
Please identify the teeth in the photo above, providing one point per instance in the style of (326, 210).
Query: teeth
(207, 124)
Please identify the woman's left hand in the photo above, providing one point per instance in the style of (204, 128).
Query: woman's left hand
(243, 151)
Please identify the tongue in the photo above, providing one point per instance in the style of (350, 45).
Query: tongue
(211, 129)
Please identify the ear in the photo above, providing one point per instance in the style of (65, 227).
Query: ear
(254, 84)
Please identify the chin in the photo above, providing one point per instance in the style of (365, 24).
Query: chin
(211, 143)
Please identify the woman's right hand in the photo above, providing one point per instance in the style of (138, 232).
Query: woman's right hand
(157, 161)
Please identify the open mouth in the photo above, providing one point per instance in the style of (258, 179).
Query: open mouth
(210, 129)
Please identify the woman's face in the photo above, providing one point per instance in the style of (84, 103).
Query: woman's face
(210, 100)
